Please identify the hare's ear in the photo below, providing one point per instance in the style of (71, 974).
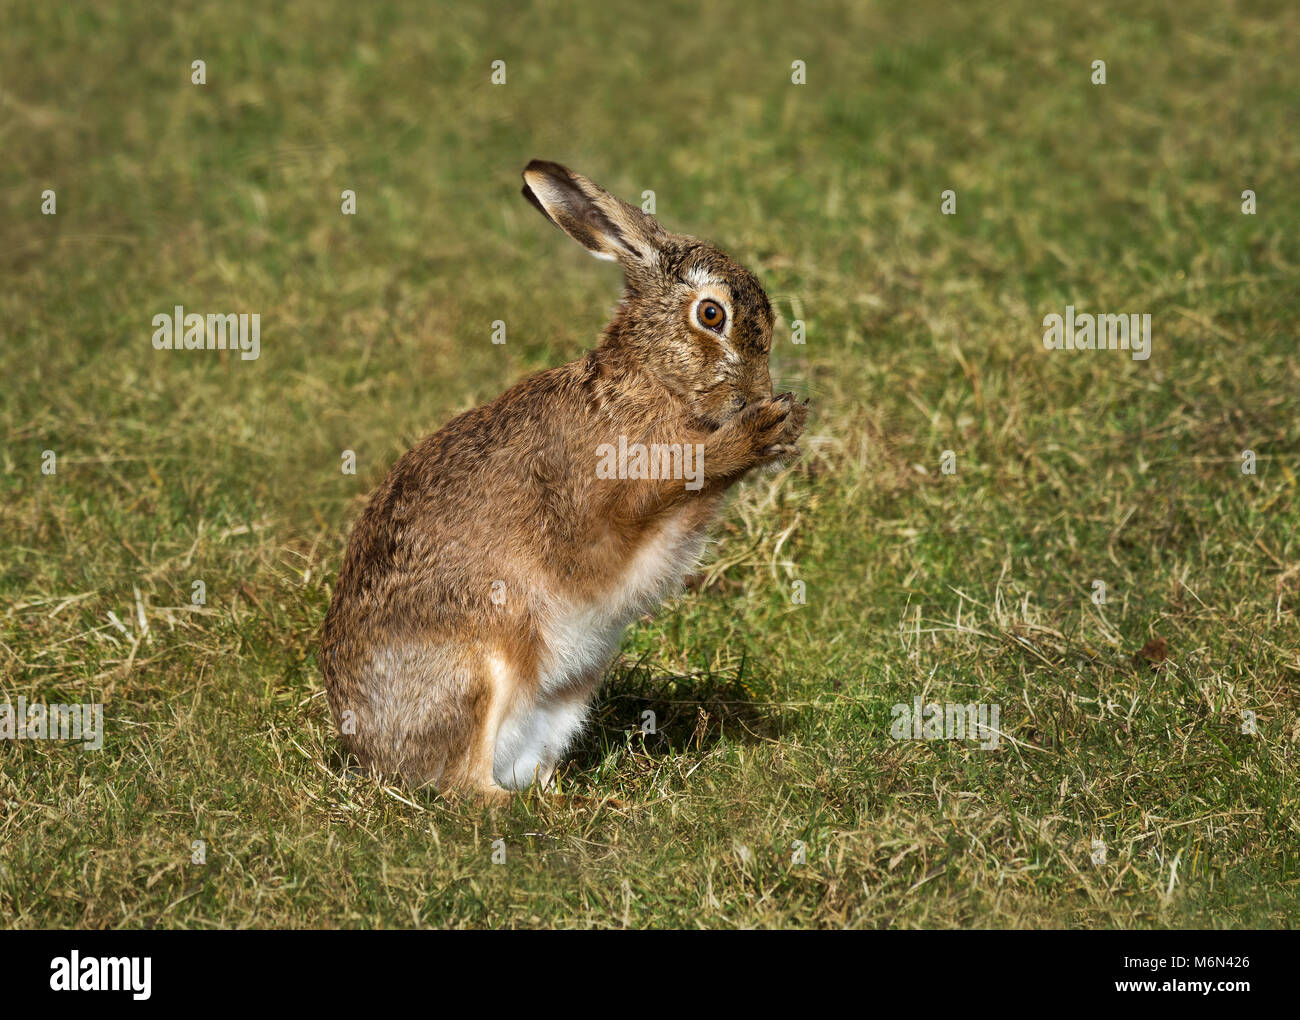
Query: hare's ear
(606, 226)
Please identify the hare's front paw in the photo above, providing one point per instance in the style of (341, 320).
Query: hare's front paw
(777, 424)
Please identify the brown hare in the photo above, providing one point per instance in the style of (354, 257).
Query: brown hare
(486, 585)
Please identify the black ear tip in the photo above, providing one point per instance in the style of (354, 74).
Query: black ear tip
(545, 166)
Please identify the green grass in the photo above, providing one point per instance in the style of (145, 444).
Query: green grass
(924, 335)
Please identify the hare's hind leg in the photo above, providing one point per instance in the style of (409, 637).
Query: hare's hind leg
(433, 715)
(484, 692)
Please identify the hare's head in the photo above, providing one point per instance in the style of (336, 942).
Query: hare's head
(690, 315)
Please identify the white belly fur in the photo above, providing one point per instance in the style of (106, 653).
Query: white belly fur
(579, 641)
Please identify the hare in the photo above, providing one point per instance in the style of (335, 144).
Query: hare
(486, 585)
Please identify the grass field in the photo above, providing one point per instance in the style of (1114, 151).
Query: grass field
(924, 335)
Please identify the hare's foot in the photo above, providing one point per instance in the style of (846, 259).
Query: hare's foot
(531, 740)
(493, 794)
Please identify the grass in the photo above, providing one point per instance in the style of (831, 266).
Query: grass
(773, 718)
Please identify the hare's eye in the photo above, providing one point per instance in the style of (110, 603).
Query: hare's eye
(711, 315)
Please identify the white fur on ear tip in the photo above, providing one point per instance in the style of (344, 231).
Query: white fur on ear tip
(544, 188)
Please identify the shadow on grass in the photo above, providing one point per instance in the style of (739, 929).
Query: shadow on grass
(675, 712)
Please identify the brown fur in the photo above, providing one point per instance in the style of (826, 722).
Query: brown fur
(415, 648)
